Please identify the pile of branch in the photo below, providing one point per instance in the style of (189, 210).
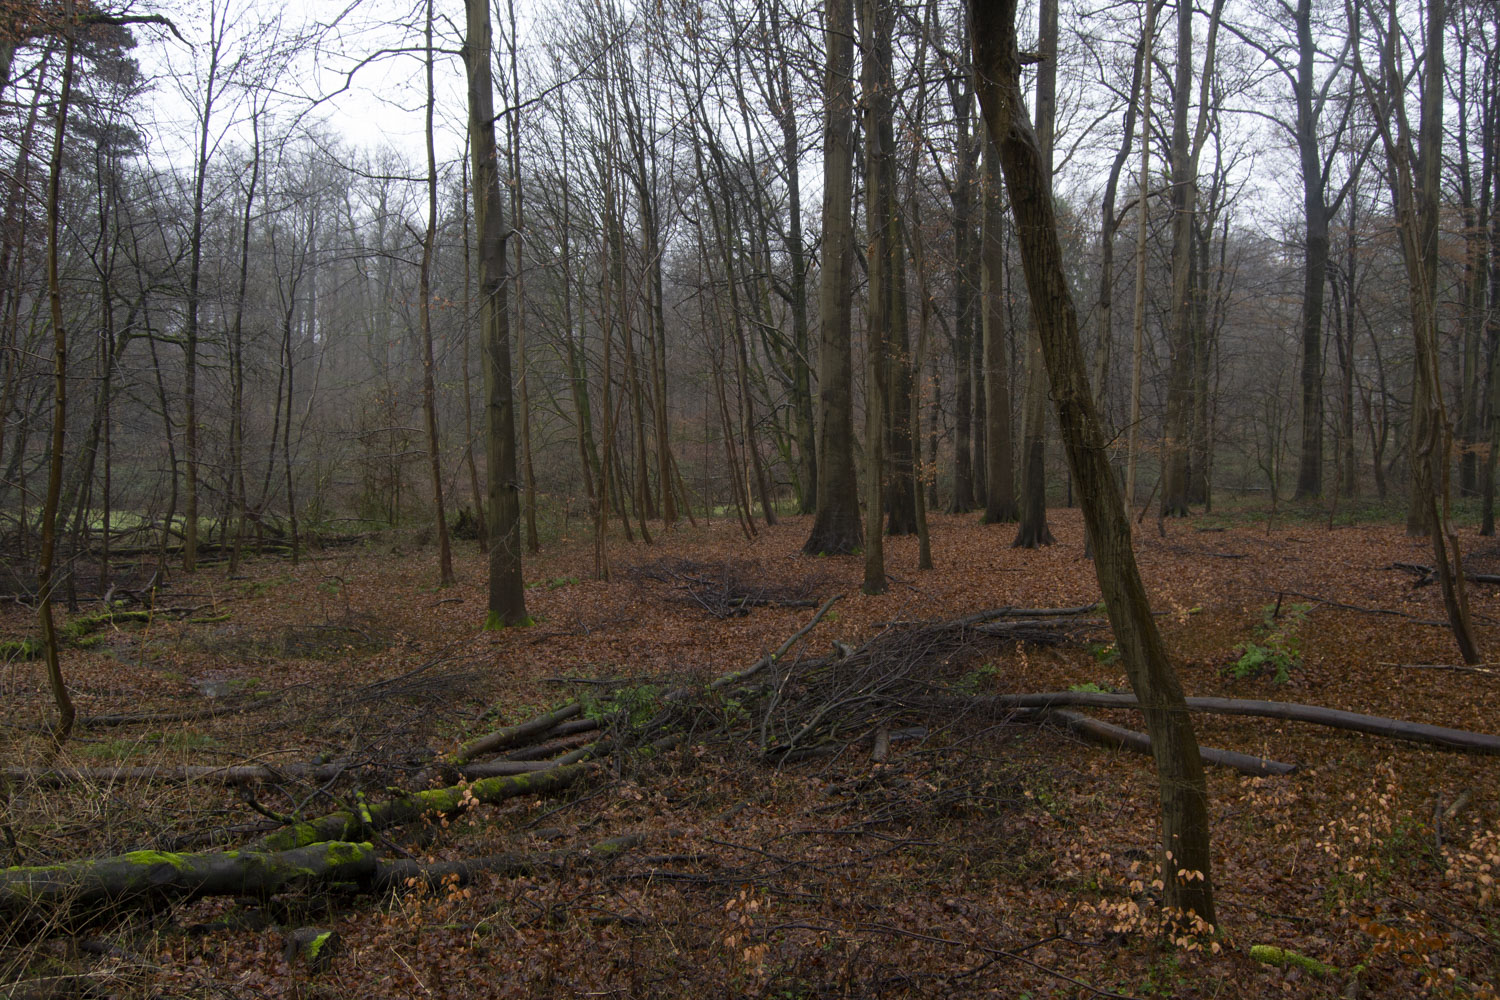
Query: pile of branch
(723, 590)
(821, 705)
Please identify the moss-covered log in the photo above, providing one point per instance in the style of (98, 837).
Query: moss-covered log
(146, 876)
(349, 824)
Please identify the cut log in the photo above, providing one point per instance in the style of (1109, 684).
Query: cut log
(145, 876)
(349, 824)
(553, 747)
(1109, 735)
(511, 736)
(1415, 732)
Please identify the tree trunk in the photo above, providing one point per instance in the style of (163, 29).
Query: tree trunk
(1142, 207)
(424, 305)
(836, 528)
(1315, 262)
(875, 29)
(60, 393)
(1186, 867)
(154, 876)
(999, 466)
(1032, 531)
(507, 593)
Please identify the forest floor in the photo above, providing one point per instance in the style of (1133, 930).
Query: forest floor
(987, 856)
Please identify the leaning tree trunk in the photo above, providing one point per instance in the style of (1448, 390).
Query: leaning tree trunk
(1184, 798)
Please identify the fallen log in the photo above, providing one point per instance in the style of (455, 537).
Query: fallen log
(1426, 574)
(1109, 735)
(144, 876)
(510, 736)
(1375, 725)
(553, 747)
(348, 824)
(237, 774)
(233, 774)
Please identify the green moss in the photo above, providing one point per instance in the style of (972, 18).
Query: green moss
(315, 946)
(153, 858)
(211, 619)
(493, 622)
(20, 649)
(88, 624)
(1269, 954)
(348, 854)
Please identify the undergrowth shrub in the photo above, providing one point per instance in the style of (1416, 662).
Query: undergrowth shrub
(1276, 647)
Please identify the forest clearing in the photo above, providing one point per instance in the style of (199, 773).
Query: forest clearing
(862, 816)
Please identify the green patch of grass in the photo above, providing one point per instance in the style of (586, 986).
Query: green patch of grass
(20, 649)
(980, 677)
(637, 704)
(1104, 653)
(1276, 647)
(124, 749)
(113, 750)
(255, 588)
(1091, 688)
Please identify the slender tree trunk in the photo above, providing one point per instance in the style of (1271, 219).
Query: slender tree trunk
(218, 23)
(60, 394)
(1315, 262)
(1185, 861)
(802, 381)
(513, 129)
(424, 306)
(1142, 225)
(1032, 531)
(1000, 488)
(1108, 225)
(1416, 177)
(480, 518)
(875, 49)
